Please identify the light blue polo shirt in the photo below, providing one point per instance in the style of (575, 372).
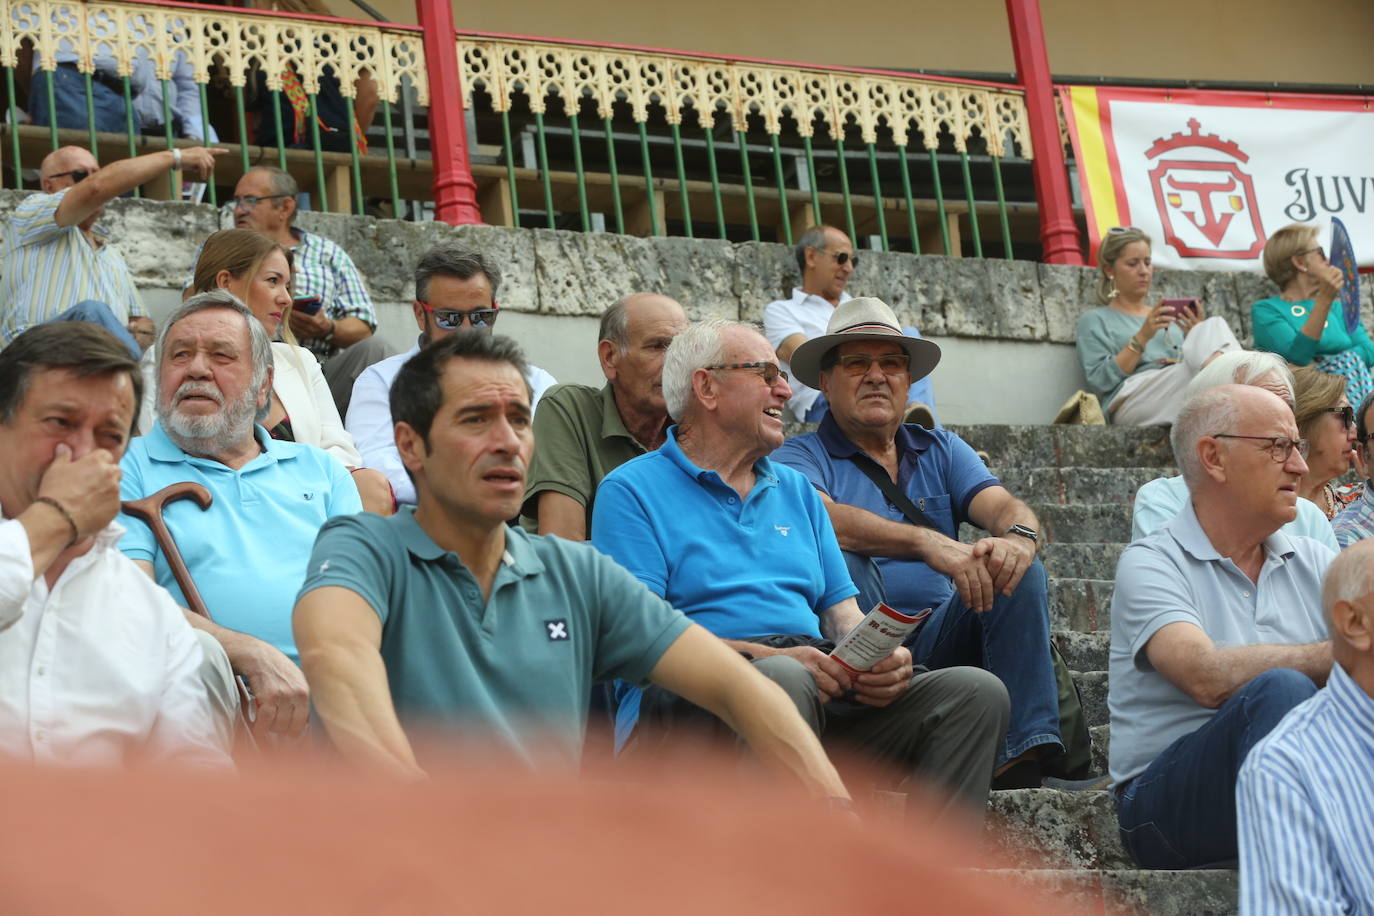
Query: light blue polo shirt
(248, 552)
(517, 668)
(1177, 575)
(937, 471)
(764, 565)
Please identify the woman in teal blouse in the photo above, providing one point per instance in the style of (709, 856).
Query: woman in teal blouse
(1299, 323)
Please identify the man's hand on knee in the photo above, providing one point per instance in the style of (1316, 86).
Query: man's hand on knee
(1007, 558)
(885, 681)
(278, 686)
(831, 678)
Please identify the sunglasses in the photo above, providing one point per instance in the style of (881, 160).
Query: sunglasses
(76, 175)
(857, 364)
(1319, 250)
(842, 257)
(1117, 230)
(451, 319)
(1346, 413)
(770, 371)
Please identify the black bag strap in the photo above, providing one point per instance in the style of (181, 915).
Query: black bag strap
(878, 475)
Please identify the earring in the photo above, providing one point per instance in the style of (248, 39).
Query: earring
(1113, 294)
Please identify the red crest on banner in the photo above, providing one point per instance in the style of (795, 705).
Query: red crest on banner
(1206, 202)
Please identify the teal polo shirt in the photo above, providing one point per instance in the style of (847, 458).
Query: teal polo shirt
(247, 553)
(516, 668)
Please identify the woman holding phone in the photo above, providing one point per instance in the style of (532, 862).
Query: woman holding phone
(257, 271)
(1139, 357)
(1299, 323)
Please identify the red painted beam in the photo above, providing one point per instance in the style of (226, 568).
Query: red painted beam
(1058, 232)
(455, 193)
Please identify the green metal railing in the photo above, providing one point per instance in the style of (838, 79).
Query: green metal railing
(679, 111)
(229, 67)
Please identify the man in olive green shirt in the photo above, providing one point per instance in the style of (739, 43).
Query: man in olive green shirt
(584, 433)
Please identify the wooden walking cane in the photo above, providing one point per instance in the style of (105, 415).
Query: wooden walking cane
(149, 509)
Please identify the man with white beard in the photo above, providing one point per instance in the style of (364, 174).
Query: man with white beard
(248, 552)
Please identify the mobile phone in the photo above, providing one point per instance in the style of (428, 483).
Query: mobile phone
(1179, 306)
(308, 304)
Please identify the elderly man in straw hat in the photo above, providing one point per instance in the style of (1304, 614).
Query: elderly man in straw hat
(896, 494)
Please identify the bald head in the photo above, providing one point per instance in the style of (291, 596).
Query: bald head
(635, 334)
(1348, 596)
(63, 160)
(616, 321)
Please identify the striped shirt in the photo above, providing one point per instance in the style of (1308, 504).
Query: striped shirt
(323, 269)
(1356, 521)
(48, 268)
(1305, 806)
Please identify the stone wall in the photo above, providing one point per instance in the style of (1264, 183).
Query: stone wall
(1028, 309)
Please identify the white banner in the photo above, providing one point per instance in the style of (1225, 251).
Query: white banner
(1210, 175)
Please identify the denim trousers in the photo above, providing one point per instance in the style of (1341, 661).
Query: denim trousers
(1180, 812)
(69, 97)
(1012, 640)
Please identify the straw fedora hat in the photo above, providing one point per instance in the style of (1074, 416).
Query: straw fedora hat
(864, 318)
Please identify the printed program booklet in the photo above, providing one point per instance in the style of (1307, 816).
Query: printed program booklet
(873, 638)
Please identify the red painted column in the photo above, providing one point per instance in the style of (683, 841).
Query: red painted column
(455, 193)
(1058, 232)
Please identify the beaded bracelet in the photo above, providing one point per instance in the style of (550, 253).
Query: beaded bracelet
(48, 500)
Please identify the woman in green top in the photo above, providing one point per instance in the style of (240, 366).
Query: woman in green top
(1138, 358)
(1299, 323)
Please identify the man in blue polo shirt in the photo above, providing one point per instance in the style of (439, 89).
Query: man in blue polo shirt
(442, 616)
(988, 598)
(745, 548)
(247, 553)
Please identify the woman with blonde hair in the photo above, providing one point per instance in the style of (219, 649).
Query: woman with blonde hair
(1299, 323)
(257, 271)
(1327, 421)
(1139, 357)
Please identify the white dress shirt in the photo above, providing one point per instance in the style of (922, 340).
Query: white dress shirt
(369, 418)
(100, 669)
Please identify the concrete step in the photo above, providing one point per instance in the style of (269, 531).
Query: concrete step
(1076, 484)
(1084, 651)
(1047, 828)
(1070, 446)
(1082, 560)
(1077, 523)
(1092, 691)
(1203, 892)
(1083, 605)
(1101, 736)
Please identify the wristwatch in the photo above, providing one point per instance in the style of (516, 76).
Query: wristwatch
(1024, 532)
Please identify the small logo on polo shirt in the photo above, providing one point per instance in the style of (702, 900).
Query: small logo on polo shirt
(323, 566)
(308, 496)
(783, 529)
(558, 629)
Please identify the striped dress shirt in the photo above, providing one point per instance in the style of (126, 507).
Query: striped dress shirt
(48, 268)
(1305, 805)
(324, 269)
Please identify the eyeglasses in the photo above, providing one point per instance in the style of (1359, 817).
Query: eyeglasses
(450, 319)
(858, 364)
(770, 371)
(842, 257)
(1279, 447)
(1346, 413)
(249, 202)
(1319, 250)
(76, 175)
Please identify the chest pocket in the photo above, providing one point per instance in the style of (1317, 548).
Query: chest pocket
(937, 508)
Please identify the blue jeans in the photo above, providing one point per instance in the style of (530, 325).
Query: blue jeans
(1181, 811)
(69, 96)
(1012, 641)
(90, 310)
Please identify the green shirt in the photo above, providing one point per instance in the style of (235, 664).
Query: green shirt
(1102, 332)
(1278, 328)
(579, 438)
(516, 669)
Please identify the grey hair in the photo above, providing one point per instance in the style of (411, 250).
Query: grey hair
(701, 345)
(615, 323)
(811, 238)
(260, 345)
(1243, 367)
(1205, 413)
(1350, 576)
(453, 260)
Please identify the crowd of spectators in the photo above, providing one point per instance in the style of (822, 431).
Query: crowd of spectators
(420, 565)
